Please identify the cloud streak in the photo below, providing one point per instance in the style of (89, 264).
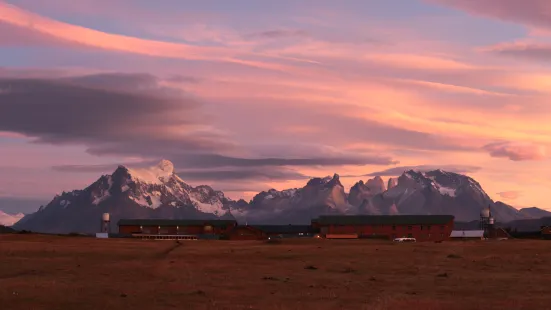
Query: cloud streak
(77, 35)
(510, 194)
(278, 34)
(107, 112)
(527, 50)
(516, 151)
(395, 171)
(529, 12)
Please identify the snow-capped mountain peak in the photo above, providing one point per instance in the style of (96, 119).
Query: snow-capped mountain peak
(10, 219)
(157, 174)
(151, 192)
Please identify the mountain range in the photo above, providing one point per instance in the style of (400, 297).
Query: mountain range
(158, 192)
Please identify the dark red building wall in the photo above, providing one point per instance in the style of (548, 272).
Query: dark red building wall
(246, 233)
(170, 230)
(419, 232)
(129, 229)
(498, 233)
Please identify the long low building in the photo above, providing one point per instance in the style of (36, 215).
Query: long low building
(260, 232)
(208, 229)
(467, 235)
(175, 227)
(420, 227)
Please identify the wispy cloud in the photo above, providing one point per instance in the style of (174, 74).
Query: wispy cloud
(530, 12)
(510, 194)
(72, 34)
(396, 171)
(278, 34)
(516, 151)
(527, 50)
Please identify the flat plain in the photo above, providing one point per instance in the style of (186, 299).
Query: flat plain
(56, 272)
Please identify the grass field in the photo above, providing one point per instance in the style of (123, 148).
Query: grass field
(47, 272)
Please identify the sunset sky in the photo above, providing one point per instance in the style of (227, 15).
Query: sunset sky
(247, 95)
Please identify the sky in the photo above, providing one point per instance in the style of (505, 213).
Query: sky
(248, 95)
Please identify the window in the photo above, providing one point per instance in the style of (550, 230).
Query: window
(428, 227)
(393, 236)
(421, 227)
(393, 227)
(442, 227)
(410, 235)
(442, 235)
(410, 227)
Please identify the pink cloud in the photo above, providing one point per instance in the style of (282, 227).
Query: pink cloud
(517, 151)
(73, 34)
(125, 10)
(418, 61)
(529, 12)
(524, 49)
(509, 194)
(6, 134)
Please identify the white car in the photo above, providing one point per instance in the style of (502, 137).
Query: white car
(405, 240)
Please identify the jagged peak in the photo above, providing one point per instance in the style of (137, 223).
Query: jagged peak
(154, 174)
(327, 181)
(166, 166)
(335, 181)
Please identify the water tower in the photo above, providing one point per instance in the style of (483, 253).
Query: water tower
(105, 223)
(486, 221)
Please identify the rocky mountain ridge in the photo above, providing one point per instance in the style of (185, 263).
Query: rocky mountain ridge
(157, 192)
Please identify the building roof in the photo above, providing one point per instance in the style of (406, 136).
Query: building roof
(285, 229)
(467, 234)
(385, 219)
(165, 222)
(546, 221)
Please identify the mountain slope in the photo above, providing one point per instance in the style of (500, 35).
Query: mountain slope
(297, 206)
(535, 212)
(438, 192)
(154, 192)
(6, 230)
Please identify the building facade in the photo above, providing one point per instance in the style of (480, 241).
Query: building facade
(467, 235)
(420, 227)
(175, 227)
(261, 232)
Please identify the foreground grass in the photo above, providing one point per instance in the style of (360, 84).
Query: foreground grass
(48, 272)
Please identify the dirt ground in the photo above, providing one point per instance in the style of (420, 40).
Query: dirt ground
(51, 272)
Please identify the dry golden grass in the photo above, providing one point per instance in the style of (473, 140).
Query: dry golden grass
(46, 272)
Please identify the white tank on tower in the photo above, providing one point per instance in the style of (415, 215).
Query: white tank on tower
(485, 213)
(105, 223)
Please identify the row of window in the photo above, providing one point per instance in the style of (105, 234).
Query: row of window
(394, 236)
(395, 227)
(410, 227)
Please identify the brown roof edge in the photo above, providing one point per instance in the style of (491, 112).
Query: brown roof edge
(180, 222)
(385, 219)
